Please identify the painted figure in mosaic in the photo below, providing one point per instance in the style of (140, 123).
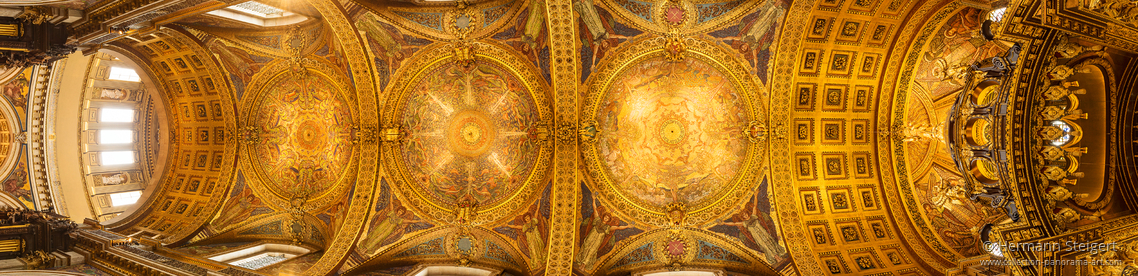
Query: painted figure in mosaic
(534, 240)
(384, 227)
(591, 18)
(240, 210)
(17, 91)
(238, 64)
(600, 230)
(370, 25)
(534, 23)
(17, 183)
(754, 222)
(770, 13)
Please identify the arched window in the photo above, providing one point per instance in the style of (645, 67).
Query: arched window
(117, 115)
(1066, 133)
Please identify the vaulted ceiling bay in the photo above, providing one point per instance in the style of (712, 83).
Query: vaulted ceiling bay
(586, 137)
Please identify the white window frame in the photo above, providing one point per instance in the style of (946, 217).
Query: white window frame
(116, 115)
(125, 198)
(123, 74)
(116, 136)
(111, 158)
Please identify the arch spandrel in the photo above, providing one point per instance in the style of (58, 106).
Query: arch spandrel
(486, 158)
(476, 20)
(693, 17)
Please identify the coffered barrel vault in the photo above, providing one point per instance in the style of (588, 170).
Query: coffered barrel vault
(584, 137)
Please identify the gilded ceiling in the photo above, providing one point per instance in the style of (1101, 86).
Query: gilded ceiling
(591, 137)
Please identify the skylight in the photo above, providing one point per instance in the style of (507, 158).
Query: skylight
(258, 9)
(116, 115)
(115, 136)
(124, 74)
(127, 198)
(117, 157)
(259, 14)
(262, 260)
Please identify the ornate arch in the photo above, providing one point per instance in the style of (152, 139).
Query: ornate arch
(367, 98)
(691, 248)
(450, 245)
(9, 126)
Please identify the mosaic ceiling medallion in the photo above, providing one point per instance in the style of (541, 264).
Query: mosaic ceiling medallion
(298, 134)
(674, 131)
(471, 133)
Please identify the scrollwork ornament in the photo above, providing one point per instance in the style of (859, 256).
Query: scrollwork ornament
(674, 48)
(464, 54)
(463, 21)
(674, 247)
(250, 135)
(464, 245)
(756, 131)
(367, 135)
(589, 132)
(566, 133)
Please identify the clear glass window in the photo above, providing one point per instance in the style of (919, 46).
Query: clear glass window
(262, 260)
(116, 157)
(997, 14)
(995, 250)
(258, 9)
(116, 115)
(124, 74)
(1066, 133)
(115, 136)
(126, 198)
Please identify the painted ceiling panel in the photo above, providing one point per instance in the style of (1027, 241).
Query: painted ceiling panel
(754, 137)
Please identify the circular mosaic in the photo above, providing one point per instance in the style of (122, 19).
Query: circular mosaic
(673, 131)
(470, 132)
(303, 127)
